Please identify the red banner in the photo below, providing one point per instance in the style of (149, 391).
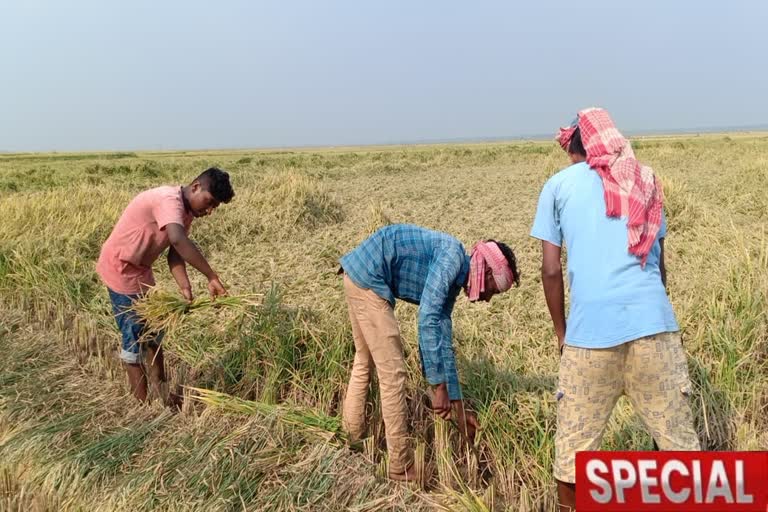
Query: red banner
(672, 481)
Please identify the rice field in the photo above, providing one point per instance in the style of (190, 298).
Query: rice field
(264, 373)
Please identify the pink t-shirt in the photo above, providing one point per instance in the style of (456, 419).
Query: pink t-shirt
(139, 238)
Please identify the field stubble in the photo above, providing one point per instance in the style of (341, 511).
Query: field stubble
(266, 436)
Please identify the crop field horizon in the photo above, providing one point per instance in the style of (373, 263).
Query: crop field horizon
(264, 377)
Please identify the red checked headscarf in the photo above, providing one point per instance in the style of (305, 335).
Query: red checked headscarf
(488, 254)
(631, 189)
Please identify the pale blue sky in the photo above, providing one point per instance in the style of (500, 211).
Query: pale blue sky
(109, 74)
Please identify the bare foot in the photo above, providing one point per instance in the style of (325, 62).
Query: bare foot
(175, 402)
(409, 475)
(356, 445)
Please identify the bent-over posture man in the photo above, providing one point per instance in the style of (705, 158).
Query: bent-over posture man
(427, 268)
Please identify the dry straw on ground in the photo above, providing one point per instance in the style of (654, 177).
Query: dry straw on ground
(71, 438)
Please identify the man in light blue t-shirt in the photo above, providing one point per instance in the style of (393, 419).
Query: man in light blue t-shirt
(621, 336)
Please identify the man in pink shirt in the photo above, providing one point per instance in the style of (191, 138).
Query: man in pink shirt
(156, 220)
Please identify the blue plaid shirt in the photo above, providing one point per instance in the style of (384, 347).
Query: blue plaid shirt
(422, 267)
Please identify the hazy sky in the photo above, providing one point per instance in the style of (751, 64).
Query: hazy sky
(109, 74)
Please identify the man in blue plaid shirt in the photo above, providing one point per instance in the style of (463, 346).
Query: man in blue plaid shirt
(422, 267)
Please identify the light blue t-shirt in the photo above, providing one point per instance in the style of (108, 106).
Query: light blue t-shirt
(613, 299)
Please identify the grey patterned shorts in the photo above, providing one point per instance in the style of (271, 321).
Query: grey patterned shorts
(651, 371)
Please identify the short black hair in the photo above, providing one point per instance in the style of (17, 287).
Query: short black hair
(511, 259)
(216, 181)
(576, 147)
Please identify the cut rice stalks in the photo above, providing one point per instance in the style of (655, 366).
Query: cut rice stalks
(165, 312)
(306, 420)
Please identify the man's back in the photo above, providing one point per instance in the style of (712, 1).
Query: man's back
(395, 261)
(139, 237)
(613, 298)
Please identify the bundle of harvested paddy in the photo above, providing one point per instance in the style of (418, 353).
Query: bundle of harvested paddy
(165, 312)
(304, 419)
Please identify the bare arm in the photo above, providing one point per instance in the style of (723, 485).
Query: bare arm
(662, 266)
(189, 252)
(179, 271)
(552, 279)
